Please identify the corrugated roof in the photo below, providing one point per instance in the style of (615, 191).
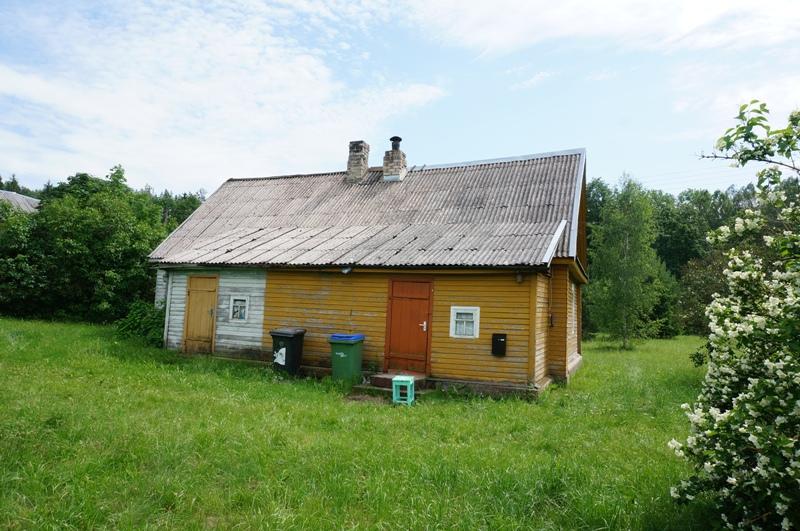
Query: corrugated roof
(19, 201)
(505, 212)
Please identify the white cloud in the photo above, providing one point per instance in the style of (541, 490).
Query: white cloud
(537, 79)
(185, 94)
(712, 93)
(503, 26)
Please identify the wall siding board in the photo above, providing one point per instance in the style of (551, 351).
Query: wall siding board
(177, 309)
(504, 309)
(230, 337)
(557, 340)
(542, 325)
(564, 336)
(330, 302)
(574, 333)
(235, 336)
(572, 318)
(326, 302)
(161, 288)
(580, 317)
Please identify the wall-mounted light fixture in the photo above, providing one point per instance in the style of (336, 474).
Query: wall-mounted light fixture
(520, 277)
(346, 269)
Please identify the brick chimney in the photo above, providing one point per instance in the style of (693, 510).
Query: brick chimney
(357, 161)
(394, 162)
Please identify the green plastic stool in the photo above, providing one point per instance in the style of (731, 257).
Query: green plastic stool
(402, 383)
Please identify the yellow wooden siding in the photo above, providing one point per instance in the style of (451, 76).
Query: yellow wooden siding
(325, 303)
(557, 340)
(532, 306)
(579, 311)
(504, 309)
(330, 302)
(572, 318)
(542, 325)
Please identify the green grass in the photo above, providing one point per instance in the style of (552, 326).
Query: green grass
(99, 432)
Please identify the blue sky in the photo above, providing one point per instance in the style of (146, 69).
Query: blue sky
(187, 94)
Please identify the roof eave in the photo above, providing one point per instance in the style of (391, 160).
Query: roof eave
(188, 265)
(576, 204)
(549, 253)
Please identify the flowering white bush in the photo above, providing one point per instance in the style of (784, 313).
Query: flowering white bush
(745, 423)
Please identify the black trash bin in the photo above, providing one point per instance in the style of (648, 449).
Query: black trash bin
(287, 349)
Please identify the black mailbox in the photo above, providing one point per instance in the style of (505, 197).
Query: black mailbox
(498, 344)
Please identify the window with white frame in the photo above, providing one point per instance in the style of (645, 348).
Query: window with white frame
(240, 305)
(465, 321)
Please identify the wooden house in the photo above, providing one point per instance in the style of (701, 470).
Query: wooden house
(432, 263)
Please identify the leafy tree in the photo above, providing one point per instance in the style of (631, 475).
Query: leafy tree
(682, 222)
(700, 280)
(19, 278)
(597, 193)
(744, 445)
(665, 319)
(176, 208)
(83, 254)
(625, 283)
(699, 277)
(13, 185)
(94, 249)
(753, 139)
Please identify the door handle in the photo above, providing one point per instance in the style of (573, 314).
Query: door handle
(424, 326)
(211, 312)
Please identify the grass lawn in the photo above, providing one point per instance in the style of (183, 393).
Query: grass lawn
(100, 432)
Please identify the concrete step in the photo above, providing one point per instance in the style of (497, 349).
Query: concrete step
(384, 379)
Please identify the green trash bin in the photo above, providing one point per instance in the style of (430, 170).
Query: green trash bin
(346, 356)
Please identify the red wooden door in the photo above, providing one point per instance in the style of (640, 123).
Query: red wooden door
(409, 326)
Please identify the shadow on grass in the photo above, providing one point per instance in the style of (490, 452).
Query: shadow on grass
(606, 345)
(699, 515)
(682, 382)
(137, 351)
(133, 351)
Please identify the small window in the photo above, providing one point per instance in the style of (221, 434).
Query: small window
(465, 321)
(239, 307)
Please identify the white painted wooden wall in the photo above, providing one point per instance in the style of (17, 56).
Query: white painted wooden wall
(240, 336)
(161, 288)
(231, 337)
(176, 308)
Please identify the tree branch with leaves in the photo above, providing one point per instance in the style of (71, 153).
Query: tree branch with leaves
(752, 139)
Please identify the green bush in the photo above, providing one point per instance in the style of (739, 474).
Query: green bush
(144, 321)
(83, 254)
(744, 446)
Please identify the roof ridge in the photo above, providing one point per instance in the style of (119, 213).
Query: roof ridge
(531, 156)
(289, 176)
(11, 192)
(420, 167)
